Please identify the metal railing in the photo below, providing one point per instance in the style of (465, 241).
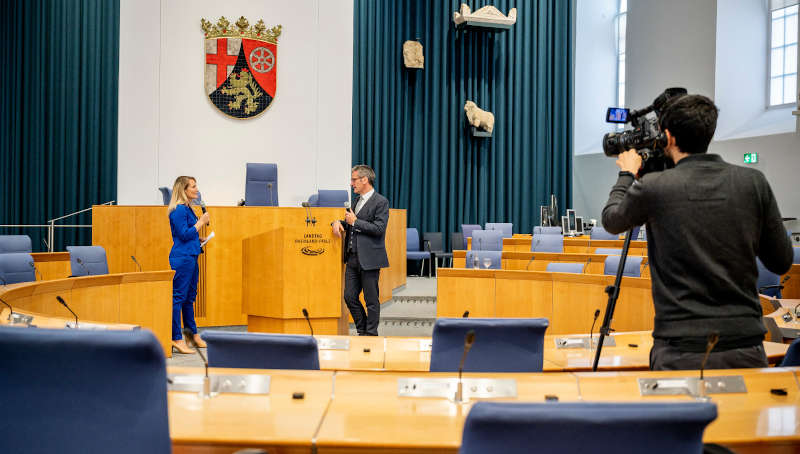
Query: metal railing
(51, 225)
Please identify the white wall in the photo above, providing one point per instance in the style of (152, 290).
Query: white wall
(168, 127)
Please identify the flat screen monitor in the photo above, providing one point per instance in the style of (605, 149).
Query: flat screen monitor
(571, 219)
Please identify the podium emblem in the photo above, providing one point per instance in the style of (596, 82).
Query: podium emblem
(241, 66)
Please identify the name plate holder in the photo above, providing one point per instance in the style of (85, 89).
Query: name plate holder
(333, 343)
(692, 386)
(476, 388)
(231, 384)
(86, 326)
(584, 342)
(20, 319)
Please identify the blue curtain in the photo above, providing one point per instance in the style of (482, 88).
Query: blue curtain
(58, 113)
(410, 125)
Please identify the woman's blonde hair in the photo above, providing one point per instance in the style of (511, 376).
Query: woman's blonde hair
(179, 192)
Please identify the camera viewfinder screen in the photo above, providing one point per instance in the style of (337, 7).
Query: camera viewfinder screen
(617, 115)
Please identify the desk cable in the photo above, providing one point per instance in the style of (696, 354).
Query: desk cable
(324, 414)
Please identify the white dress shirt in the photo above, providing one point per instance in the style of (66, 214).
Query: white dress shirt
(363, 200)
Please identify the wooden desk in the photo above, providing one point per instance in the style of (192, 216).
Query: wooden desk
(52, 265)
(355, 358)
(229, 422)
(538, 261)
(579, 245)
(48, 322)
(791, 288)
(789, 328)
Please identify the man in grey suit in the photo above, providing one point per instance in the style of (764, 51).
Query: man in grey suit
(364, 249)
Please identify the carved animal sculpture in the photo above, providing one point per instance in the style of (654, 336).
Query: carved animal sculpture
(478, 118)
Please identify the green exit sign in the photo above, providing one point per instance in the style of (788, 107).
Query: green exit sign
(750, 158)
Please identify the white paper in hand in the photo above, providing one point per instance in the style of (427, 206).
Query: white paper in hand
(208, 238)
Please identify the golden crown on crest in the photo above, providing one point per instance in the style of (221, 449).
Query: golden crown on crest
(241, 29)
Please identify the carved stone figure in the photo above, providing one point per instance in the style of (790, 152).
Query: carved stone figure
(487, 14)
(412, 55)
(478, 118)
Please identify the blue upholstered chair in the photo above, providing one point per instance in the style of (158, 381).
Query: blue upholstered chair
(70, 392)
(166, 194)
(792, 358)
(551, 230)
(15, 243)
(329, 198)
(87, 260)
(635, 233)
(495, 259)
(608, 251)
(487, 240)
(261, 351)
(565, 267)
(633, 266)
(506, 227)
(467, 229)
(768, 283)
(261, 185)
(414, 251)
(796, 258)
(16, 267)
(501, 344)
(599, 233)
(580, 427)
(546, 242)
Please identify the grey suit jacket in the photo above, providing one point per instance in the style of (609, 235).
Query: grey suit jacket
(369, 233)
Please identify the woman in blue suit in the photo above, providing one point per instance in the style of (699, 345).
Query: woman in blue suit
(186, 240)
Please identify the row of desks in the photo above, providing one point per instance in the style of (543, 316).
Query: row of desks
(362, 412)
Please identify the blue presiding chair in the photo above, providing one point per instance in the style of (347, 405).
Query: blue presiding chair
(495, 259)
(467, 229)
(261, 351)
(166, 194)
(414, 251)
(550, 230)
(768, 283)
(16, 267)
(608, 251)
(545, 242)
(599, 233)
(581, 427)
(792, 358)
(261, 184)
(15, 243)
(564, 267)
(87, 260)
(501, 344)
(506, 227)
(633, 266)
(70, 392)
(329, 198)
(487, 240)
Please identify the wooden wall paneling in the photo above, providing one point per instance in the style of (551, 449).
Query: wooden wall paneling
(52, 265)
(99, 302)
(113, 227)
(791, 288)
(635, 310)
(459, 290)
(149, 305)
(523, 294)
(575, 299)
(153, 239)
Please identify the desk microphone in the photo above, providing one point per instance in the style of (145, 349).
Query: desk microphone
(36, 271)
(591, 330)
(533, 249)
(584, 272)
(305, 314)
(137, 263)
(187, 333)
(469, 339)
(465, 315)
(203, 209)
(10, 310)
(80, 262)
(63, 303)
(713, 338)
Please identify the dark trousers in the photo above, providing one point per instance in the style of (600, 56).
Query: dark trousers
(664, 356)
(357, 280)
(184, 292)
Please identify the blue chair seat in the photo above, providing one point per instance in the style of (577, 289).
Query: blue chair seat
(261, 351)
(507, 228)
(608, 251)
(15, 243)
(549, 230)
(546, 242)
(633, 266)
(599, 233)
(466, 230)
(87, 260)
(563, 267)
(487, 240)
(16, 267)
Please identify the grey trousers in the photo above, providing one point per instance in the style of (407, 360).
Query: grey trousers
(664, 356)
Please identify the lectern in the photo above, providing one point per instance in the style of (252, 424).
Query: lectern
(287, 269)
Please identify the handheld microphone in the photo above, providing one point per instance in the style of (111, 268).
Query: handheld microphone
(346, 205)
(533, 256)
(469, 339)
(466, 314)
(80, 262)
(63, 303)
(311, 328)
(203, 209)
(137, 263)
(36, 271)
(713, 338)
(591, 330)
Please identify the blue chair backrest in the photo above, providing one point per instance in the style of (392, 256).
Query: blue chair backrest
(501, 344)
(16, 267)
(580, 427)
(495, 259)
(332, 198)
(166, 194)
(487, 240)
(767, 278)
(15, 243)
(467, 229)
(506, 227)
(92, 260)
(412, 239)
(633, 266)
(565, 267)
(261, 185)
(546, 242)
(599, 233)
(551, 230)
(261, 351)
(608, 251)
(796, 258)
(792, 358)
(71, 391)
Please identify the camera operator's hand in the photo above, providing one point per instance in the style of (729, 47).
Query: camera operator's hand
(629, 161)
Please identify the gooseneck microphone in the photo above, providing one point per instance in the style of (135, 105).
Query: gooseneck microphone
(465, 315)
(80, 262)
(311, 328)
(584, 272)
(533, 249)
(137, 263)
(713, 338)
(187, 333)
(591, 330)
(10, 310)
(469, 339)
(36, 271)
(63, 303)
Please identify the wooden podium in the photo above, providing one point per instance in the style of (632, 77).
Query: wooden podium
(287, 269)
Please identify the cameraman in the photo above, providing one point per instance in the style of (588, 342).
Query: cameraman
(706, 223)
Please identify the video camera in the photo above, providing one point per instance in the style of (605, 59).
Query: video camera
(646, 136)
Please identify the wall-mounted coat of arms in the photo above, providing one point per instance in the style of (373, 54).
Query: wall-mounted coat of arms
(241, 66)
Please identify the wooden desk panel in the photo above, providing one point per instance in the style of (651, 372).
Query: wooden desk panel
(791, 288)
(52, 265)
(465, 290)
(523, 294)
